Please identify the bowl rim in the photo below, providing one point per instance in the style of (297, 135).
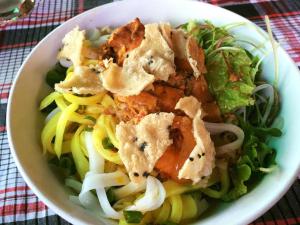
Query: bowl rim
(59, 210)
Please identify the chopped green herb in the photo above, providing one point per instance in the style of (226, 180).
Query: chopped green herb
(65, 164)
(132, 216)
(111, 195)
(107, 143)
(55, 75)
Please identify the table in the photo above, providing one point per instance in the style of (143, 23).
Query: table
(18, 204)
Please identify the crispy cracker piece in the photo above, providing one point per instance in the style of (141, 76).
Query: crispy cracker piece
(120, 81)
(189, 105)
(201, 161)
(152, 60)
(143, 144)
(166, 31)
(176, 154)
(83, 81)
(73, 46)
(189, 55)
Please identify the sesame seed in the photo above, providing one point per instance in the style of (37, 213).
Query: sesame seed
(150, 62)
(143, 146)
(145, 174)
(191, 158)
(199, 156)
(135, 174)
(203, 154)
(202, 177)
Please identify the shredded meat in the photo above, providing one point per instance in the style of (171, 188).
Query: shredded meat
(135, 107)
(212, 112)
(167, 97)
(183, 65)
(198, 88)
(178, 80)
(105, 52)
(126, 38)
(196, 57)
(176, 154)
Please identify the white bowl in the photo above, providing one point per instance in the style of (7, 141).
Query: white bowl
(25, 121)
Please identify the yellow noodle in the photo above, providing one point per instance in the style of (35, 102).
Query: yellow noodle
(69, 75)
(82, 144)
(66, 147)
(91, 100)
(110, 127)
(60, 130)
(189, 206)
(147, 218)
(94, 109)
(48, 133)
(124, 202)
(173, 188)
(176, 211)
(81, 119)
(49, 99)
(81, 163)
(107, 101)
(99, 134)
(162, 214)
(225, 182)
(70, 69)
(60, 102)
(69, 72)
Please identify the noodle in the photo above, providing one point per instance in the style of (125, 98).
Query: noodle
(176, 205)
(60, 130)
(81, 163)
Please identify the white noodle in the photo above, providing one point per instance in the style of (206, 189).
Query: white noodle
(51, 114)
(216, 128)
(65, 62)
(154, 196)
(129, 189)
(96, 179)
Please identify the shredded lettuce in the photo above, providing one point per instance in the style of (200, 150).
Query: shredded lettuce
(257, 158)
(231, 69)
(241, 174)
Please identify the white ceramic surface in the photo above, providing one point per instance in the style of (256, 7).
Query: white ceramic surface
(24, 121)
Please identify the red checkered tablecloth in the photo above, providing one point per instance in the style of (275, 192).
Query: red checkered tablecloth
(18, 204)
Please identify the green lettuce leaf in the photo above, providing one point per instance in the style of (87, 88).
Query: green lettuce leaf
(240, 175)
(230, 95)
(224, 60)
